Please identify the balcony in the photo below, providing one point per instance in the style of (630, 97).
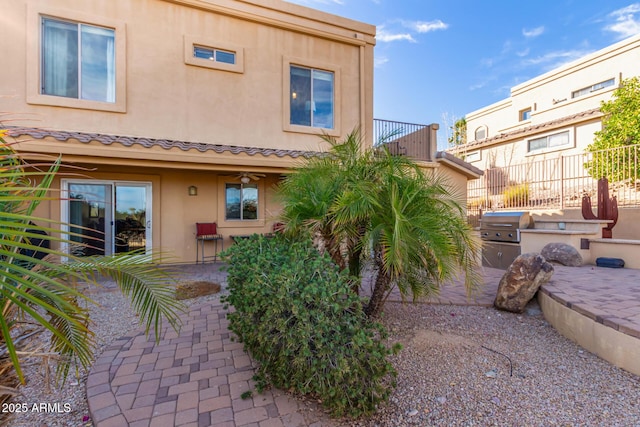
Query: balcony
(407, 139)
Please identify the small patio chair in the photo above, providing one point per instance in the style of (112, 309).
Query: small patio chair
(207, 231)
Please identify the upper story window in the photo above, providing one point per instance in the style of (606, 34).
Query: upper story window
(209, 53)
(525, 114)
(587, 90)
(550, 141)
(312, 97)
(241, 202)
(480, 133)
(216, 55)
(78, 61)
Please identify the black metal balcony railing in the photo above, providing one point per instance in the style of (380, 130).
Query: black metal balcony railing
(407, 139)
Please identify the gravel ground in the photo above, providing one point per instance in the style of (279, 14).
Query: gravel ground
(454, 370)
(112, 318)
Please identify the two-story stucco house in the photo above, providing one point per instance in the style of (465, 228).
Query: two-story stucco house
(169, 113)
(554, 113)
(178, 111)
(531, 145)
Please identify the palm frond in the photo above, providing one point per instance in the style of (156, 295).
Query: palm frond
(151, 290)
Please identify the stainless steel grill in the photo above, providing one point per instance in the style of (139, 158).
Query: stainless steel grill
(500, 232)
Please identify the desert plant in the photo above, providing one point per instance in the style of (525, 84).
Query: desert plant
(295, 313)
(516, 196)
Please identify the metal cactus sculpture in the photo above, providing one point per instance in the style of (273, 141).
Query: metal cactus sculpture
(607, 208)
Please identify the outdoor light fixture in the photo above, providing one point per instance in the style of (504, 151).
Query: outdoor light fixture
(193, 190)
(245, 179)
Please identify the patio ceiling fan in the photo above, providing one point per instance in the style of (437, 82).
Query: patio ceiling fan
(247, 177)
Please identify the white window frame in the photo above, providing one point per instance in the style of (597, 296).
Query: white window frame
(593, 88)
(479, 129)
(570, 142)
(191, 42)
(64, 208)
(35, 15)
(288, 62)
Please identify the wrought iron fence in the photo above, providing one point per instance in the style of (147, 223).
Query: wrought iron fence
(557, 183)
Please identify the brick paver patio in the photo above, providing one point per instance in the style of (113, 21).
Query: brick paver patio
(197, 378)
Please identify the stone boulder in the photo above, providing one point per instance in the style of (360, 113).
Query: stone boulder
(562, 254)
(521, 282)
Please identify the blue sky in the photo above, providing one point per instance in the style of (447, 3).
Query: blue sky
(436, 61)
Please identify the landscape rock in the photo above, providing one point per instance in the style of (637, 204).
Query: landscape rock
(562, 254)
(521, 282)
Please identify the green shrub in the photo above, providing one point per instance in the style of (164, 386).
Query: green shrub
(296, 315)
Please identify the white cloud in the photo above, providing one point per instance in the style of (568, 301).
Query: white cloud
(533, 32)
(379, 62)
(523, 52)
(626, 21)
(556, 59)
(386, 36)
(477, 86)
(487, 62)
(427, 26)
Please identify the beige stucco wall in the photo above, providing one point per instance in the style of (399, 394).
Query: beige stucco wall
(174, 212)
(164, 97)
(163, 94)
(613, 346)
(628, 226)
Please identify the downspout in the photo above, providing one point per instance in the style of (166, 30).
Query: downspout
(363, 126)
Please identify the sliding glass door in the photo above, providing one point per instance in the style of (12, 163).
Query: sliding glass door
(107, 217)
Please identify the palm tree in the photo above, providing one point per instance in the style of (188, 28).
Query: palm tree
(384, 208)
(42, 287)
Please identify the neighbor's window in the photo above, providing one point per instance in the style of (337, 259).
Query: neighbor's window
(241, 201)
(473, 156)
(525, 114)
(216, 55)
(312, 97)
(78, 61)
(587, 90)
(549, 141)
(480, 133)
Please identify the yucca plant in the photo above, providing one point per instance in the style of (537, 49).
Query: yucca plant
(41, 289)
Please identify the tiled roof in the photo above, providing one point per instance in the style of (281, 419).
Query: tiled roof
(128, 141)
(530, 129)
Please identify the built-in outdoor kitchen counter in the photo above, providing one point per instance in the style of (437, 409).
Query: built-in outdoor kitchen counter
(500, 234)
(575, 232)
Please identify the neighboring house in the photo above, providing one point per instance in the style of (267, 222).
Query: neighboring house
(553, 114)
(173, 112)
(532, 145)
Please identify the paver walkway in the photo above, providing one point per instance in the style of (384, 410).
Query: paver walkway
(197, 378)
